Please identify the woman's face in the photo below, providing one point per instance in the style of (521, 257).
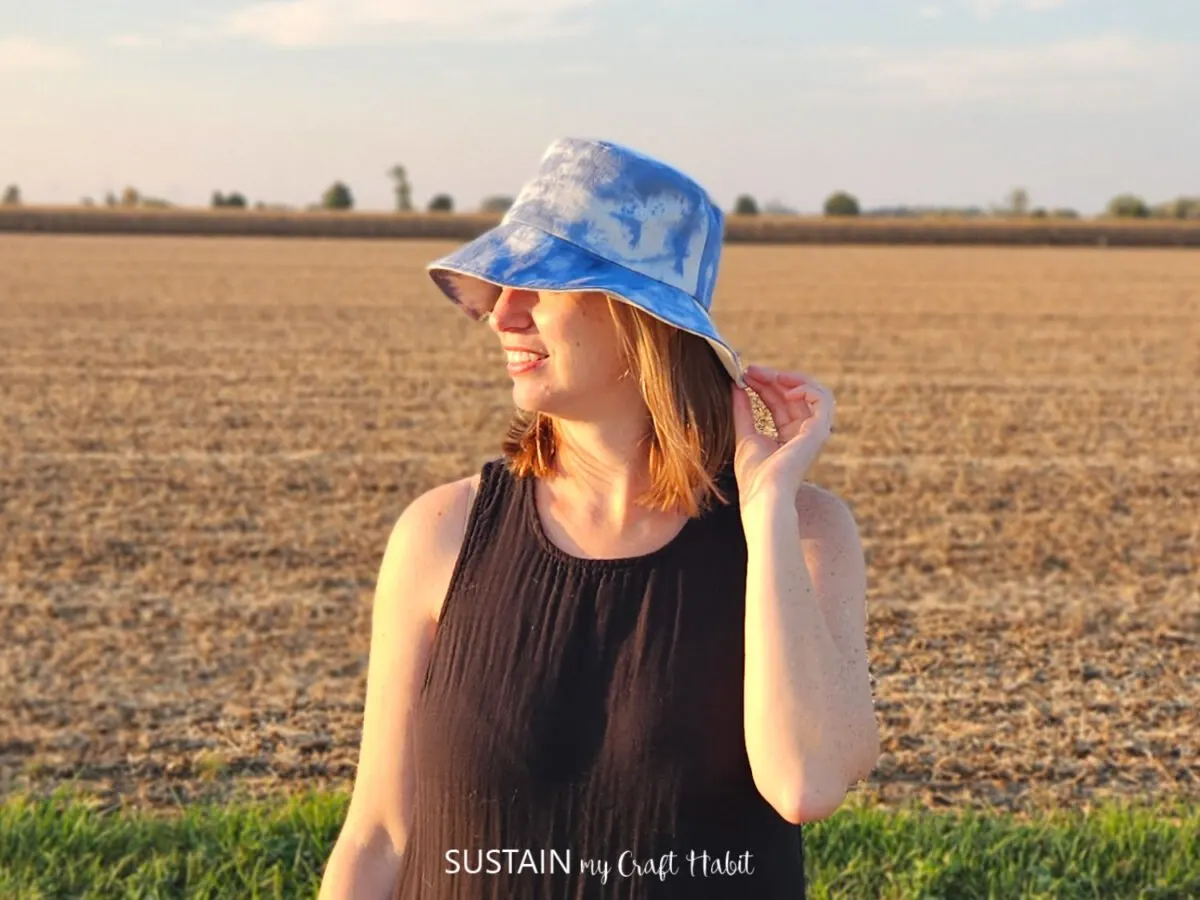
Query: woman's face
(580, 359)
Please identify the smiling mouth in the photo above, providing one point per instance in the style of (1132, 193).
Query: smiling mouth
(523, 363)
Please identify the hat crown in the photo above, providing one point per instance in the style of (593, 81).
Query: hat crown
(627, 208)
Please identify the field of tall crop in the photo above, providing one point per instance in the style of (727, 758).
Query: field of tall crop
(206, 440)
(754, 229)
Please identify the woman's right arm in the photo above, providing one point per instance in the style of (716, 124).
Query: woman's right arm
(413, 579)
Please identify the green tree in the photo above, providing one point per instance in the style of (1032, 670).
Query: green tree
(130, 197)
(1128, 206)
(403, 189)
(110, 199)
(841, 204)
(12, 196)
(497, 204)
(1187, 208)
(228, 201)
(1179, 208)
(441, 203)
(337, 196)
(745, 206)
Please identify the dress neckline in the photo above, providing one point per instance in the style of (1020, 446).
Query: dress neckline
(533, 521)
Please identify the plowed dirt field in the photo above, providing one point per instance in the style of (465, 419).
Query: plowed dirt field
(205, 443)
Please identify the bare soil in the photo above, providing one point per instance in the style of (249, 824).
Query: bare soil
(206, 441)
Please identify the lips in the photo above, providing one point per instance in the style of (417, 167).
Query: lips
(520, 362)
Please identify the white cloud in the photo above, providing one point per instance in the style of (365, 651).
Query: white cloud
(581, 67)
(28, 55)
(307, 23)
(1104, 69)
(987, 8)
(133, 40)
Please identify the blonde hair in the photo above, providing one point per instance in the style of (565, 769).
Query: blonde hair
(686, 390)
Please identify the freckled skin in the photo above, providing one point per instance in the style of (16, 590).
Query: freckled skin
(582, 377)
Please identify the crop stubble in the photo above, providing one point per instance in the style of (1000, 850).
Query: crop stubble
(206, 442)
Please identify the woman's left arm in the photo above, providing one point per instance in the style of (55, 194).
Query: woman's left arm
(809, 714)
(810, 720)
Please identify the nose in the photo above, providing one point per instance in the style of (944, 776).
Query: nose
(510, 312)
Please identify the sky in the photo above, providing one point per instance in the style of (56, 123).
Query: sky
(919, 102)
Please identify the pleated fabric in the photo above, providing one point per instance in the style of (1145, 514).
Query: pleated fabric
(578, 734)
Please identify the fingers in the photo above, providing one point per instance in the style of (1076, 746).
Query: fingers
(783, 392)
(805, 392)
(794, 399)
(771, 394)
(791, 384)
(791, 378)
(788, 379)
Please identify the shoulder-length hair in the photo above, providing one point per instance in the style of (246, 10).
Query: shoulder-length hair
(687, 393)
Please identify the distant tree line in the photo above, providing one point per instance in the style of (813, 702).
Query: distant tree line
(228, 201)
(338, 196)
(1016, 205)
(129, 197)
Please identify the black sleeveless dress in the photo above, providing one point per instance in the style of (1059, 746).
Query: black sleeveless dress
(578, 734)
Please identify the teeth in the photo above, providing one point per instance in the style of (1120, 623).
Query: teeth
(521, 356)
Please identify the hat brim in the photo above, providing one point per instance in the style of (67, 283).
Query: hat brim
(513, 254)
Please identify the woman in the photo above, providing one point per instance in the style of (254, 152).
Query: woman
(627, 658)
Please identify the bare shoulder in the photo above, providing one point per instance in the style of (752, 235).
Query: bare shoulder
(413, 578)
(431, 529)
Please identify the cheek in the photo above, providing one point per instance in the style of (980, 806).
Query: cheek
(591, 341)
(586, 366)
(601, 350)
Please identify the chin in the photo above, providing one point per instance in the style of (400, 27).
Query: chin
(531, 398)
(544, 398)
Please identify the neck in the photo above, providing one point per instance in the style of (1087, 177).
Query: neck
(602, 467)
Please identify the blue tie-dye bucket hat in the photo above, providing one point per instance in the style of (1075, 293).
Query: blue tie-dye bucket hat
(601, 217)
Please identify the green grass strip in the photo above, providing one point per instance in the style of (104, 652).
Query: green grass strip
(62, 846)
